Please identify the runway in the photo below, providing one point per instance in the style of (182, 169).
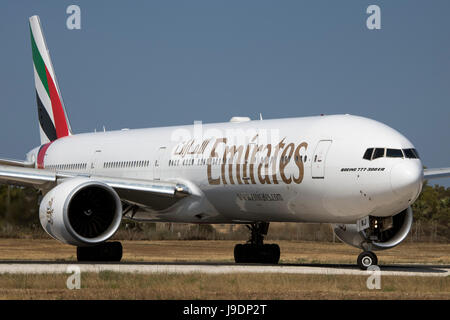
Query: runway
(40, 267)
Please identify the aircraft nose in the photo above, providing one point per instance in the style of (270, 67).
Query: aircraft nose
(406, 179)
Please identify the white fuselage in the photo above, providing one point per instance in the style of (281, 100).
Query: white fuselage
(299, 169)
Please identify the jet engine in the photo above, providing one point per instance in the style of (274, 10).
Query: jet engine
(81, 212)
(381, 232)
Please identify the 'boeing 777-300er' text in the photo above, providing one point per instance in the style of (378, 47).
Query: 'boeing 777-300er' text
(357, 174)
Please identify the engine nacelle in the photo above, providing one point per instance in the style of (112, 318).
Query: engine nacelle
(81, 212)
(383, 233)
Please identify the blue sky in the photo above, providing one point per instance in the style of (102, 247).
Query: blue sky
(138, 64)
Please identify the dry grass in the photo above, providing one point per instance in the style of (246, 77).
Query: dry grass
(110, 285)
(222, 251)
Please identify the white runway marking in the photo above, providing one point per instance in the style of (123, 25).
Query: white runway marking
(41, 267)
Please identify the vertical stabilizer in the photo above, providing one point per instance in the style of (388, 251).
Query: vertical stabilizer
(53, 121)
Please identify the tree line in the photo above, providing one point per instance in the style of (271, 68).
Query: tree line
(19, 217)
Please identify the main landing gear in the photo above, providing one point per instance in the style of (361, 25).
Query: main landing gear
(104, 252)
(255, 251)
(367, 259)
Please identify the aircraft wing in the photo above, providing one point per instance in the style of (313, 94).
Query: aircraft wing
(150, 193)
(16, 163)
(436, 173)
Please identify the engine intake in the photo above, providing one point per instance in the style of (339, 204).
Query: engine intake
(81, 212)
(383, 233)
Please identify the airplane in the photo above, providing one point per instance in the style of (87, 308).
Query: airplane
(357, 174)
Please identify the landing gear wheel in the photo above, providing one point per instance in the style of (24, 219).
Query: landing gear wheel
(108, 251)
(367, 259)
(274, 253)
(250, 253)
(239, 255)
(255, 251)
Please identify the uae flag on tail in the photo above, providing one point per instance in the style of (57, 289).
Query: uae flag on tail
(53, 120)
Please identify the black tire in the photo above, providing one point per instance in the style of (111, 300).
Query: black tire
(238, 253)
(249, 253)
(367, 259)
(112, 251)
(275, 253)
(104, 252)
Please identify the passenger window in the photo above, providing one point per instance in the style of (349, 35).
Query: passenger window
(368, 154)
(378, 153)
(394, 153)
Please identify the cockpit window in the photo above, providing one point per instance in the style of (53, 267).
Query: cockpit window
(394, 153)
(411, 153)
(378, 153)
(375, 153)
(368, 154)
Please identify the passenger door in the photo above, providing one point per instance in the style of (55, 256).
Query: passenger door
(319, 158)
(158, 162)
(95, 161)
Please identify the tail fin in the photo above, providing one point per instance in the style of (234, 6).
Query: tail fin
(53, 119)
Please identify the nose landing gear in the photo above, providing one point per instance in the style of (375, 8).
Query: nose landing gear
(367, 259)
(255, 251)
